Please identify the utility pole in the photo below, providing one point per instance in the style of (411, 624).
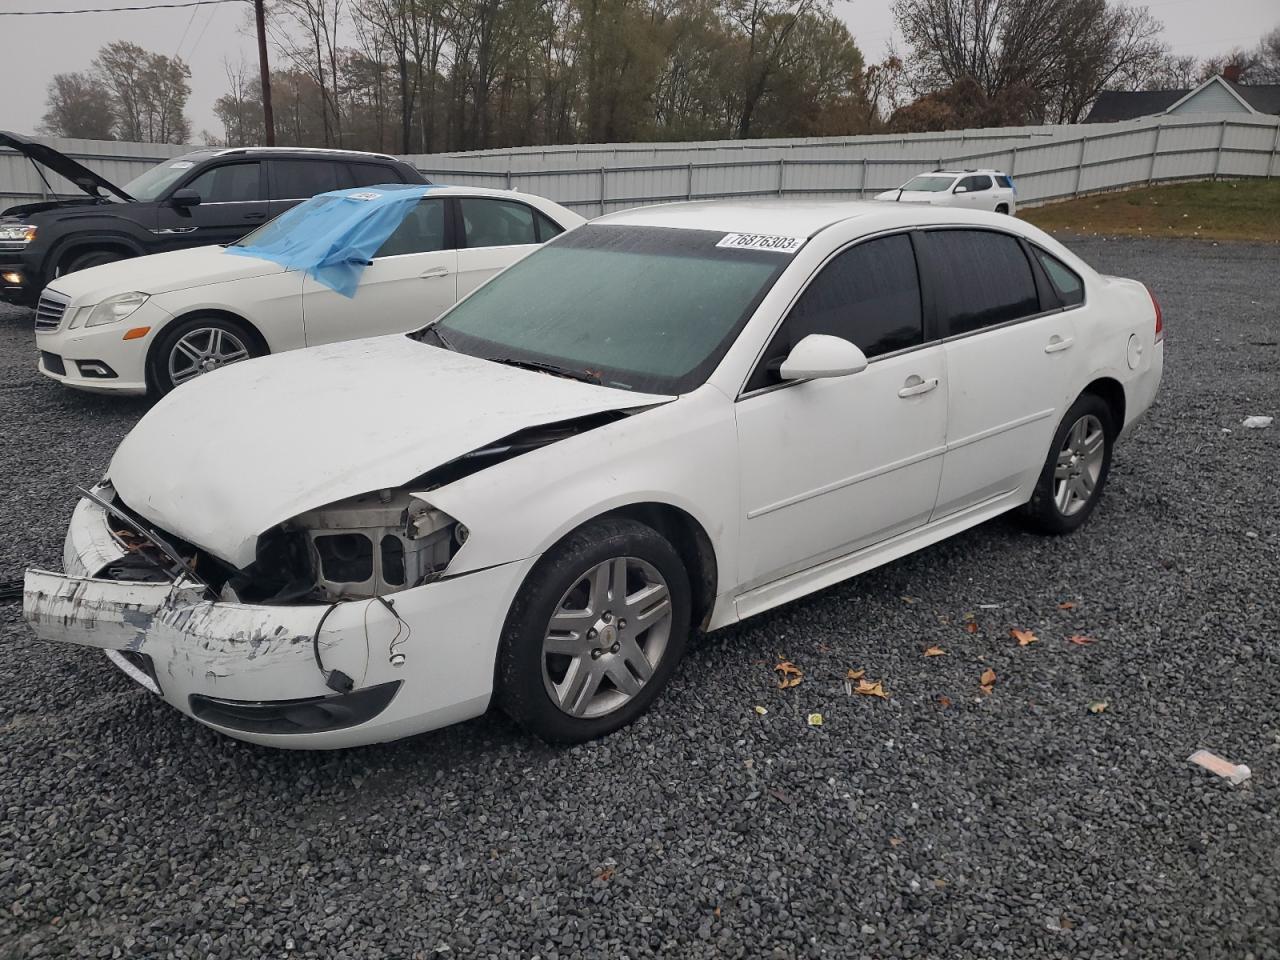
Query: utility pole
(268, 119)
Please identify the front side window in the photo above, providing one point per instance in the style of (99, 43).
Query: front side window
(929, 184)
(496, 223)
(422, 231)
(979, 278)
(229, 183)
(1066, 282)
(868, 295)
(639, 308)
(298, 179)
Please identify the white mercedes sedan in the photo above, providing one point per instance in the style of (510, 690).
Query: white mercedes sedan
(340, 266)
(660, 423)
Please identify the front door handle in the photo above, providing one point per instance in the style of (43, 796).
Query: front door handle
(916, 386)
(255, 216)
(1057, 344)
(434, 272)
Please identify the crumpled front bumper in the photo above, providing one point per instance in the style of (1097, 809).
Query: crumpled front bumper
(204, 651)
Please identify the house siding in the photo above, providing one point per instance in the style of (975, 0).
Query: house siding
(1214, 98)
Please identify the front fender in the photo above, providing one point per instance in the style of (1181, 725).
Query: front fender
(683, 454)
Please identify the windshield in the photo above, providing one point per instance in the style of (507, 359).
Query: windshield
(638, 308)
(927, 184)
(150, 185)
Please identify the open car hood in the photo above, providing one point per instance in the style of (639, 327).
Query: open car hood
(45, 155)
(228, 456)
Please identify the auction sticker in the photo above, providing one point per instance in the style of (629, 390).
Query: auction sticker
(761, 241)
(369, 195)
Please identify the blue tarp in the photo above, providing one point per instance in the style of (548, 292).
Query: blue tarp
(334, 235)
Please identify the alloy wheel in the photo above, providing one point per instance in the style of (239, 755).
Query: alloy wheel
(1075, 476)
(606, 637)
(202, 350)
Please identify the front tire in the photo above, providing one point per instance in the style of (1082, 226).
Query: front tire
(94, 258)
(595, 632)
(198, 345)
(1076, 470)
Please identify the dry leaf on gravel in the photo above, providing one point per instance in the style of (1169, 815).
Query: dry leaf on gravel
(971, 627)
(815, 719)
(871, 688)
(988, 680)
(1024, 637)
(895, 841)
(789, 675)
(1066, 605)
(1097, 706)
(762, 710)
(1080, 641)
(935, 652)
(855, 674)
(944, 702)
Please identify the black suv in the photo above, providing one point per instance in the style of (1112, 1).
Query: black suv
(204, 197)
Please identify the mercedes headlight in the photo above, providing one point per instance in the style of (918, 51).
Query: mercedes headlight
(115, 308)
(17, 232)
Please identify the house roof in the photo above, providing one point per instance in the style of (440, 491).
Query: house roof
(1113, 105)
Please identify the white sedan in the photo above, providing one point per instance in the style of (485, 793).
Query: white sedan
(665, 421)
(343, 265)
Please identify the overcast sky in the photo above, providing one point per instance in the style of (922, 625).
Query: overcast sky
(35, 48)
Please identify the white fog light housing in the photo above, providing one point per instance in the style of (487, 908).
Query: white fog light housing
(115, 309)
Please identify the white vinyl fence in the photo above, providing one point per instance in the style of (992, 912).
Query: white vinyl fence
(1046, 162)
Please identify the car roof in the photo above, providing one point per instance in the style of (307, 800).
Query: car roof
(960, 173)
(793, 218)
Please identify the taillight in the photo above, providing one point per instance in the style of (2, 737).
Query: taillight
(1159, 316)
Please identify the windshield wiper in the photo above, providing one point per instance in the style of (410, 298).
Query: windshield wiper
(586, 376)
(440, 337)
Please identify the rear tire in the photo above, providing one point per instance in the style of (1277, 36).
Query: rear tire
(198, 345)
(570, 666)
(1075, 472)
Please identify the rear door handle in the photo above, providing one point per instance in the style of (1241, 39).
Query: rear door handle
(434, 272)
(1057, 344)
(915, 386)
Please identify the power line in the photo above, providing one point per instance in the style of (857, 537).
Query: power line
(148, 6)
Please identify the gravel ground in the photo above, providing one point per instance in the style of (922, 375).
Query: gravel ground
(937, 823)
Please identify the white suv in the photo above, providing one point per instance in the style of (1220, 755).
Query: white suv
(976, 189)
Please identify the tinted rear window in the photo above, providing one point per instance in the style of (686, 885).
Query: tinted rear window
(299, 179)
(1066, 282)
(980, 278)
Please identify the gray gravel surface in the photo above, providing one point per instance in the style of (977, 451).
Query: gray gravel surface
(1012, 825)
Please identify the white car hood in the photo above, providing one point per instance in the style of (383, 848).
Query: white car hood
(224, 458)
(160, 273)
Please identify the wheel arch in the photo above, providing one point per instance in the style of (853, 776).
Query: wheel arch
(1111, 391)
(221, 314)
(76, 246)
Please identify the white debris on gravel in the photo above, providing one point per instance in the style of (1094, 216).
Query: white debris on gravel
(1237, 773)
(1256, 423)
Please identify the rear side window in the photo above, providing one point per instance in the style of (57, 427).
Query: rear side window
(300, 179)
(496, 223)
(979, 278)
(974, 184)
(1065, 281)
(1004, 182)
(368, 174)
(868, 295)
(229, 183)
(547, 228)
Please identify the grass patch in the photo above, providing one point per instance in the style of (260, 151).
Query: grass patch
(1226, 210)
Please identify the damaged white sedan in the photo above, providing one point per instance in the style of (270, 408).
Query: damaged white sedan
(667, 420)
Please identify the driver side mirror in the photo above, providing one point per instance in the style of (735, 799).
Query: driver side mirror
(820, 356)
(184, 199)
(960, 189)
